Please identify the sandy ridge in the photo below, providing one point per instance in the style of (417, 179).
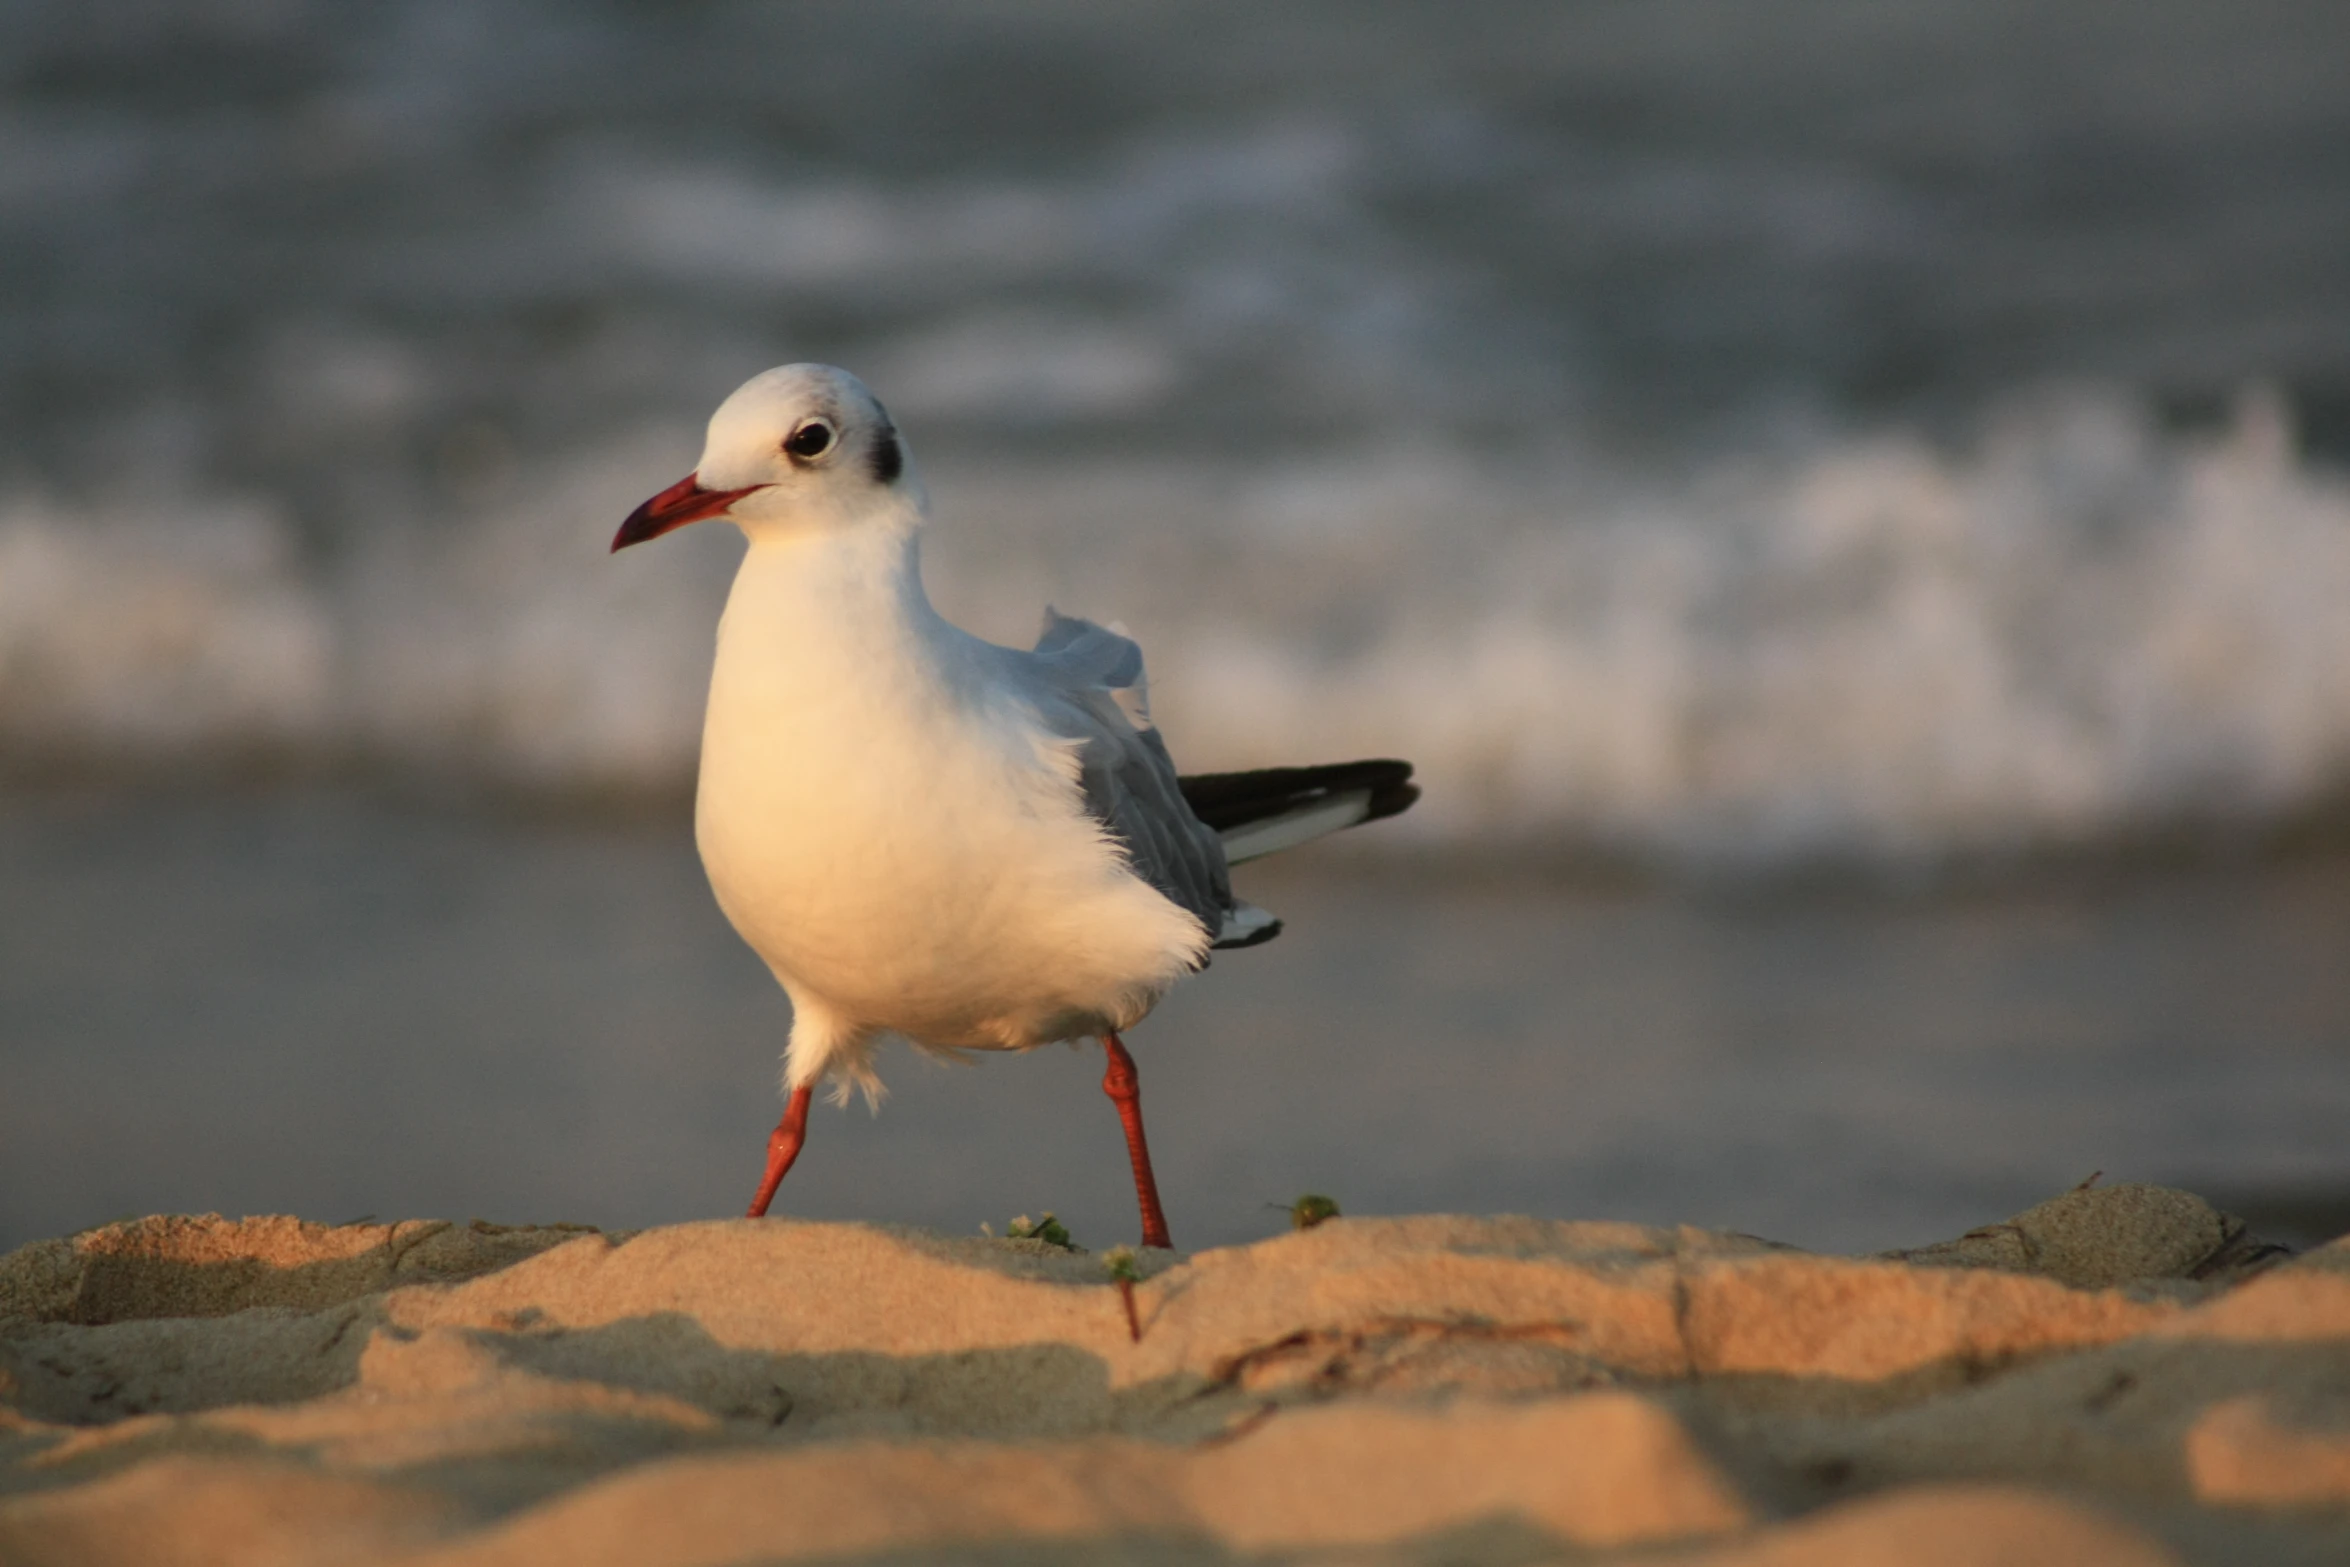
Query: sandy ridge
(2120, 1369)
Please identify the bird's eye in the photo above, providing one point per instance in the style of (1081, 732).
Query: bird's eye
(810, 440)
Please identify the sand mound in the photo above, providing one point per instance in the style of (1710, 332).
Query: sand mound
(2121, 1375)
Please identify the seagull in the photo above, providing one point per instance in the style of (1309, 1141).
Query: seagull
(930, 836)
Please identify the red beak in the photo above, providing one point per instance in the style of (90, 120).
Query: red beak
(683, 502)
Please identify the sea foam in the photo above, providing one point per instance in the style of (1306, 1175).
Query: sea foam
(2076, 625)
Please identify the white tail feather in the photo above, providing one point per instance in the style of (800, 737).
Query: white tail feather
(1255, 840)
(1245, 925)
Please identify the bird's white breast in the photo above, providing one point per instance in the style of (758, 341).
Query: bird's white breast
(888, 828)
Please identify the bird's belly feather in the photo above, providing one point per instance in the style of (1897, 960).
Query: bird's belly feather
(874, 869)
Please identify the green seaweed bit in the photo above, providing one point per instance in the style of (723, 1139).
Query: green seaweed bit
(1048, 1229)
(1312, 1209)
(1120, 1261)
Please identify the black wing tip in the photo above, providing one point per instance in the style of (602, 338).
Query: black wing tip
(1227, 800)
(1393, 800)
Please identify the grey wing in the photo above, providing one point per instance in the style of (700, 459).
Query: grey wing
(1126, 774)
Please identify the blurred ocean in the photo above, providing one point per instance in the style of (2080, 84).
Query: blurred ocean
(1722, 439)
(1698, 429)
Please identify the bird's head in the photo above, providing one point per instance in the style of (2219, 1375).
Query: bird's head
(800, 447)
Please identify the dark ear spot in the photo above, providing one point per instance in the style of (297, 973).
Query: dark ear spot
(887, 459)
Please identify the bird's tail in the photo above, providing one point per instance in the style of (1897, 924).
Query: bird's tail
(1278, 808)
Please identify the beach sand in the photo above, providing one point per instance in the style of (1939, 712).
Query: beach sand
(2121, 1375)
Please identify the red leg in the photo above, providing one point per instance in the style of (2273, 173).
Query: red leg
(783, 1146)
(1124, 1086)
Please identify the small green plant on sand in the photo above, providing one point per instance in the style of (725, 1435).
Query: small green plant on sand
(1048, 1229)
(1310, 1210)
(1119, 1260)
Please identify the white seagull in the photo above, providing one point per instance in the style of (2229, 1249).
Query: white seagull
(925, 834)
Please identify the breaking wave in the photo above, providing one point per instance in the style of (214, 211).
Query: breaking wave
(2078, 624)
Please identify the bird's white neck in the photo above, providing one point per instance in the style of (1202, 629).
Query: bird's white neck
(828, 649)
(821, 600)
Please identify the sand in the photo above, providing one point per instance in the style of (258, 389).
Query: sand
(2118, 1376)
